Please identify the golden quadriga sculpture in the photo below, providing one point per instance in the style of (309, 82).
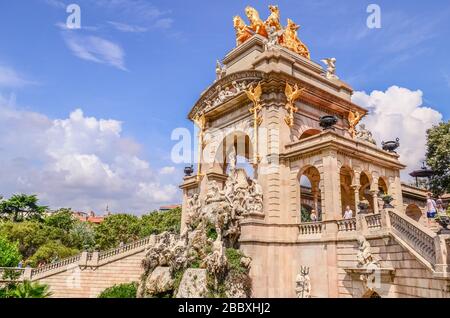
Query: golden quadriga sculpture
(288, 37)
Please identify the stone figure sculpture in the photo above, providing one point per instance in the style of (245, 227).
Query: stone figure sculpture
(365, 134)
(369, 263)
(221, 70)
(331, 68)
(303, 283)
(273, 38)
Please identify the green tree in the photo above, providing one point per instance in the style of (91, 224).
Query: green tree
(51, 251)
(9, 253)
(29, 235)
(28, 289)
(115, 229)
(82, 236)
(438, 157)
(120, 291)
(22, 207)
(61, 219)
(158, 222)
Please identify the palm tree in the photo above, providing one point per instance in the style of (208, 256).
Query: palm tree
(28, 289)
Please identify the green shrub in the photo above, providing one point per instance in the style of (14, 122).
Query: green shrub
(234, 260)
(211, 232)
(9, 253)
(28, 289)
(120, 291)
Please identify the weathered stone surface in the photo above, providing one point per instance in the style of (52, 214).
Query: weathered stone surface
(160, 281)
(193, 284)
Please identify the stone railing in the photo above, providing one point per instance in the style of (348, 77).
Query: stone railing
(123, 249)
(346, 225)
(56, 265)
(310, 228)
(420, 241)
(373, 221)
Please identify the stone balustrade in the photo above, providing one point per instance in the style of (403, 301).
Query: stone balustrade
(56, 265)
(310, 228)
(123, 249)
(347, 225)
(373, 221)
(420, 241)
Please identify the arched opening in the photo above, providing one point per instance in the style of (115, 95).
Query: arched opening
(310, 198)
(414, 212)
(365, 181)
(382, 186)
(235, 150)
(347, 193)
(308, 133)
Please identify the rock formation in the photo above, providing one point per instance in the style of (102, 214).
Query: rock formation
(204, 260)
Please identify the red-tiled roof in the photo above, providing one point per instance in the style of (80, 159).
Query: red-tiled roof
(170, 207)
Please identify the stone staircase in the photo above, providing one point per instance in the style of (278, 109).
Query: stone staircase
(82, 260)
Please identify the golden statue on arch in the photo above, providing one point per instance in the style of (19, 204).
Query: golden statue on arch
(287, 37)
(292, 94)
(353, 120)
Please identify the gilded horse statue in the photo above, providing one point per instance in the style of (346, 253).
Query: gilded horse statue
(243, 31)
(274, 18)
(292, 42)
(256, 24)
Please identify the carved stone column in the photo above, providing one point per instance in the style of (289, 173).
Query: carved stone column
(356, 190)
(375, 201)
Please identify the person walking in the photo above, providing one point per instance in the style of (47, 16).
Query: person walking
(431, 208)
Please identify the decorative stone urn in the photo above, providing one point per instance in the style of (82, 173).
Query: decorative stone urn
(387, 199)
(327, 122)
(188, 170)
(363, 207)
(391, 145)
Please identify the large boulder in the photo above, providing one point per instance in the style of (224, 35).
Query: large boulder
(160, 281)
(193, 284)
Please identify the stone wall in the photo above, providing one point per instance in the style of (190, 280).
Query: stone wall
(76, 282)
(411, 279)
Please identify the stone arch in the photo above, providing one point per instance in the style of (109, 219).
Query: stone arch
(309, 183)
(383, 185)
(414, 212)
(371, 294)
(241, 143)
(347, 193)
(365, 181)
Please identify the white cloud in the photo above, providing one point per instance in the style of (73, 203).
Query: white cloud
(56, 4)
(167, 170)
(123, 27)
(399, 112)
(80, 162)
(96, 49)
(11, 78)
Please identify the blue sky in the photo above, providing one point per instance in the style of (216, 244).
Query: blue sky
(152, 59)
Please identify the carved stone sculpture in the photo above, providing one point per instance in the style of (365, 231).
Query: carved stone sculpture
(365, 134)
(221, 70)
(303, 283)
(331, 68)
(364, 256)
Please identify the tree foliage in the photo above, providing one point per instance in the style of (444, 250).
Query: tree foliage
(62, 219)
(116, 229)
(120, 291)
(160, 221)
(9, 253)
(51, 251)
(21, 207)
(438, 157)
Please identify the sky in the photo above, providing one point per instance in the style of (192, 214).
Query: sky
(86, 115)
